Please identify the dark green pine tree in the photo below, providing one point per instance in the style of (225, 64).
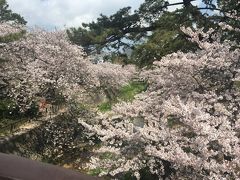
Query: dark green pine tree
(151, 31)
(7, 15)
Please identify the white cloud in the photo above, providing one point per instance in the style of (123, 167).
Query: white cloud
(59, 13)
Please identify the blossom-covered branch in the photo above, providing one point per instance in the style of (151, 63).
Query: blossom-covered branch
(188, 117)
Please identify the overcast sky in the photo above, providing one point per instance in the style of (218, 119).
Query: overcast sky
(51, 14)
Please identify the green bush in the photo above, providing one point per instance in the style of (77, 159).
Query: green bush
(32, 111)
(12, 37)
(125, 93)
(95, 172)
(128, 92)
(104, 107)
(8, 109)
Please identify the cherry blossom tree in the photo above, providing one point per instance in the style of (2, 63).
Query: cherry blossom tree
(40, 58)
(186, 124)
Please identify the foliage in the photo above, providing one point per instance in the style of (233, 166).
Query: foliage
(106, 30)
(126, 30)
(10, 32)
(95, 172)
(168, 38)
(32, 111)
(12, 37)
(11, 117)
(125, 93)
(190, 112)
(8, 108)
(116, 58)
(42, 60)
(128, 92)
(7, 126)
(104, 107)
(7, 15)
(182, 123)
(107, 155)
